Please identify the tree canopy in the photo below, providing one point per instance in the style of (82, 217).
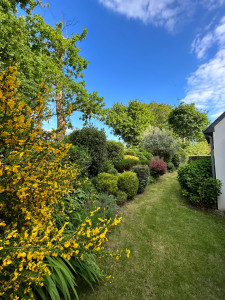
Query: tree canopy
(129, 121)
(45, 55)
(188, 122)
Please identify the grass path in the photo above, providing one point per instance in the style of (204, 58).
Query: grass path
(177, 252)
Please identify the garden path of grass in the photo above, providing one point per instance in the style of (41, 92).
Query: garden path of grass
(177, 252)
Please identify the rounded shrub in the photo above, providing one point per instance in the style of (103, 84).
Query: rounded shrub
(197, 183)
(128, 182)
(109, 168)
(131, 157)
(143, 173)
(176, 160)
(121, 197)
(157, 167)
(115, 151)
(126, 164)
(106, 183)
(170, 167)
(95, 141)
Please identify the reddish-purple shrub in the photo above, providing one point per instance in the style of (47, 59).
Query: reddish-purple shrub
(157, 167)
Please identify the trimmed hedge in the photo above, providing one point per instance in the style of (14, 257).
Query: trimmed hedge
(197, 157)
(128, 182)
(126, 164)
(106, 183)
(121, 197)
(197, 183)
(115, 151)
(143, 173)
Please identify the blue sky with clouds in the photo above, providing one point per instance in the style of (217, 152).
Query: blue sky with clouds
(151, 50)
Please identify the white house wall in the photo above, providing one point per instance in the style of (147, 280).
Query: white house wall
(219, 153)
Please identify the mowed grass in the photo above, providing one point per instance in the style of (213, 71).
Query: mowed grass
(177, 252)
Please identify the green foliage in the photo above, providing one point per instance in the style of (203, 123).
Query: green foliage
(170, 167)
(45, 54)
(151, 179)
(196, 157)
(121, 197)
(128, 182)
(161, 112)
(157, 167)
(115, 151)
(106, 183)
(159, 143)
(176, 160)
(197, 182)
(129, 121)
(95, 141)
(109, 168)
(201, 148)
(140, 153)
(79, 156)
(187, 122)
(143, 173)
(126, 164)
(107, 203)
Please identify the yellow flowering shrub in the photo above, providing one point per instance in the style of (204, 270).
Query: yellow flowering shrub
(131, 157)
(32, 180)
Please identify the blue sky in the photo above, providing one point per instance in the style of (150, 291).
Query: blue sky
(151, 50)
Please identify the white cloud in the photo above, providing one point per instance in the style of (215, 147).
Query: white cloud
(206, 86)
(166, 13)
(200, 45)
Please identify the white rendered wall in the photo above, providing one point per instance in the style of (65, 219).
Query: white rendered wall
(219, 153)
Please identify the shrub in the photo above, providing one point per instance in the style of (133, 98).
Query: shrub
(115, 151)
(109, 168)
(151, 179)
(126, 164)
(170, 167)
(196, 157)
(176, 160)
(128, 182)
(79, 156)
(159, 143)
(143, 173)
(121, 197)
(145, 155)
(131, 157)
(140, 153)
(197, 183)
(106, 183)
(157, 167)
(95, 141)
(107, 203)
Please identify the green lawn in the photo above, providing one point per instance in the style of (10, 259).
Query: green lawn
(177, 252)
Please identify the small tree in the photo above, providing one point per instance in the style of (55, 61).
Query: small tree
(159, 143)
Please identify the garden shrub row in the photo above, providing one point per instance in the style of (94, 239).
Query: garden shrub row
(198, 184)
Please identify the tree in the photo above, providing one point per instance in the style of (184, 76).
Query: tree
(129, 121)
(187, 122)
(161, 112)
(159, 143)
(45, 54)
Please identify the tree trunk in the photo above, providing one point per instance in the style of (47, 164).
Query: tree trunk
(60, 115)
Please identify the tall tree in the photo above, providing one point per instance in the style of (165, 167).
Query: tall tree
(188, 122)
(130, 121)
(161, 113)
(45, 54)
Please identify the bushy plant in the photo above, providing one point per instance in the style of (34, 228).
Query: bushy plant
(176, 160)
(140, 153)
(79, 156)
(107, 203)
(157, 167)
(95, 141)
(33, 222)
(170, 167)
(126, 164)
(160, 143)
(107, 183)
(115, 151)
(131, 157)
(128, 182)
(151, 179)
(197, 183)
(121, 197)
(109, 168)
(143, 173)
(145, 155)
